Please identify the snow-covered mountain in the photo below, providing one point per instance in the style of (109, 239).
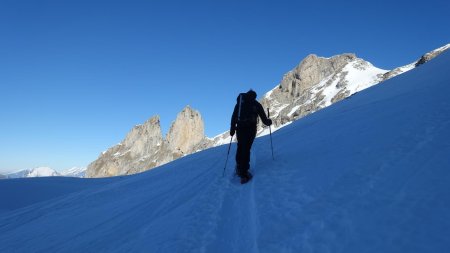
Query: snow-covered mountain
(35, 172)
(318, 82)
(367, 174)
(42, 172)
(74, 172)
(47, 172)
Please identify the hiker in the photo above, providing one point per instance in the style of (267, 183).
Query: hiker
(244, 122)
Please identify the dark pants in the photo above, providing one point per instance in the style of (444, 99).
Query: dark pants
(245, 137)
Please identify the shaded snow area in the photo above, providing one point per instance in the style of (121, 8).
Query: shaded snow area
(367, 174)
(22, 192)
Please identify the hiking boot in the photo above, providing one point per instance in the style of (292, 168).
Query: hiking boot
(245, 178)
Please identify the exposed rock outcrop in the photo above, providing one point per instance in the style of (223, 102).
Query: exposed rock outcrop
(318, 82)
(431, 55)
(144, 147)
(310, 72)
(186, 131)
(135, 153)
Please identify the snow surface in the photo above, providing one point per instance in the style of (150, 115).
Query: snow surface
(442, 49)
(21, 192)
(407, 68)
(293, 110)
(358, 78)
(361, 78)
(367, 174)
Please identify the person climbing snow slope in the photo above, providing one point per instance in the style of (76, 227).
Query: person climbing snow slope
(244, 123)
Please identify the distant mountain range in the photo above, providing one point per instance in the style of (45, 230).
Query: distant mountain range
(46, 172)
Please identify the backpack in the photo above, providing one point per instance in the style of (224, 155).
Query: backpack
(246, 109)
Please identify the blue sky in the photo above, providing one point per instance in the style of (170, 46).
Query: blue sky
(76, 76)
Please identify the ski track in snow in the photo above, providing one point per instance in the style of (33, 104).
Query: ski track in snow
(232, 212)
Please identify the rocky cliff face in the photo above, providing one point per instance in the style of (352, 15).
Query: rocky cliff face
(144, 146)
(186, 131)
(311, 71)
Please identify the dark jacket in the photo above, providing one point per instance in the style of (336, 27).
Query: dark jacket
(252, 109)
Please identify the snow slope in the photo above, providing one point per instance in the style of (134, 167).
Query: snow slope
(21, 192)
(367, 174)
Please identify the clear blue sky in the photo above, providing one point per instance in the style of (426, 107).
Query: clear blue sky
(76, 76)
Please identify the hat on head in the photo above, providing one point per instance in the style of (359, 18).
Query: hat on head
(251, 94)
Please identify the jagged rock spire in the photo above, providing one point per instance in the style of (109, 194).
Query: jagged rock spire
(144, 146)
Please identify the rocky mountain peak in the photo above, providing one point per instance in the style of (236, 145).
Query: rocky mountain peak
(311, 71)
(186, 131)
(144, 146)
(142, 137)
(318, 82)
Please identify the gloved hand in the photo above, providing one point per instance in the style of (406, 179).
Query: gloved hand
(232, 131)
(269, 122)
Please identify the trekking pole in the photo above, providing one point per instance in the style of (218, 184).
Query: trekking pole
(229, 146)
(270, 130)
